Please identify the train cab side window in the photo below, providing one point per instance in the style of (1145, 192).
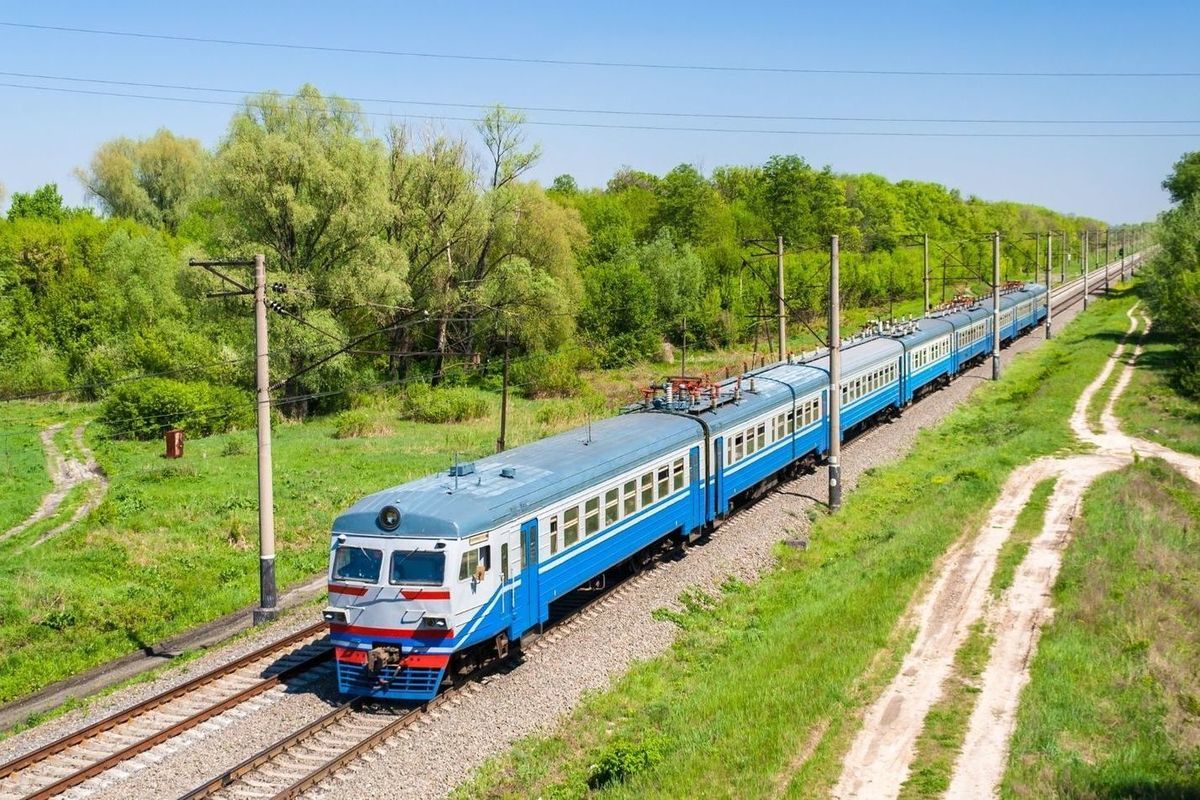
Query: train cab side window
(570, 526)
(592, 516)
(647, 489)
(677, 474)
(554, 534)
(504, 562)
(612, 506)
(631, 505)
(664, 481)
(472, 562)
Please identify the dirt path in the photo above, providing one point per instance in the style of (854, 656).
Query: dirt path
(880, 757)
(65, 473)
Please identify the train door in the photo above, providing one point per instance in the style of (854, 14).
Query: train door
(527, 611)
(718, 476)
(697, 490)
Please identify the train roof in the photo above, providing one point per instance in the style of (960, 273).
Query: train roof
(431, 507)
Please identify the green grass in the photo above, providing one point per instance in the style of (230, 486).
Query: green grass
(1113, 706)
(946, 724)
(1151, 408)
(174, 544)
(22, 460)
(1028, 525)
(763, 689)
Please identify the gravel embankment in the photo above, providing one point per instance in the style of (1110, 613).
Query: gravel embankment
(428, 761)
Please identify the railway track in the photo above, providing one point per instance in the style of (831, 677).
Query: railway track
(67, 762)
(300, 761)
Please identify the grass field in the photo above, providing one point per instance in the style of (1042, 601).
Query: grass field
(1151, 408)
(761, 692)
(22, 460)
(1113, 707)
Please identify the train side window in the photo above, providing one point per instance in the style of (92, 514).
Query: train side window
(612, 506)
(738, 447)
(631, 505)
(729, 450)
(570, 526)
(749, 434)
(647, 489)
(791, 422)
(762, 435)
(504, 561)
(664, 481)
(591, 521)
(554, 534)
(475, 562)
(677, 474)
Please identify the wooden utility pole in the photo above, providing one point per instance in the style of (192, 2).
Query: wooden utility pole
(835, 379)
(779, 298)
(1049, 263)
(995, 305)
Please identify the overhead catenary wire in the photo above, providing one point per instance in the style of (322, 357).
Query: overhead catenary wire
(664, 128)
(612, 111)
(565, 62)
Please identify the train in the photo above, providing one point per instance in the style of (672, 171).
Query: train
(433, 575)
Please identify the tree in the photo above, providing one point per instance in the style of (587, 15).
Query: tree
(42, 203)
(153, 181)
(565, 184)
(1184, 181)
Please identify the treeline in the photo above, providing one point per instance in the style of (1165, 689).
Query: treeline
(1173, 279)
(429, 253)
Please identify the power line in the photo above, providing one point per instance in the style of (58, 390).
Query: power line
(668, 128)
(618, 112)
(563, 62)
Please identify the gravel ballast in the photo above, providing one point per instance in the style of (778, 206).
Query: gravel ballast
(432, 758)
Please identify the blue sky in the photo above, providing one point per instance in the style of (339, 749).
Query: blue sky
(45, 135)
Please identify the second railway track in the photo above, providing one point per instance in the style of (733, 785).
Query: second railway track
(71, 760)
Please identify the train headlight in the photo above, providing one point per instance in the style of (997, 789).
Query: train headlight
(435, 622)
(334, 615)
(389, 518)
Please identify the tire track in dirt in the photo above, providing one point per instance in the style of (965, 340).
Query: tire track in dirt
(65, 474)
(880, 757)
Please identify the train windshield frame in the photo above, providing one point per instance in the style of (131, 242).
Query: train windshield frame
(417, 567)
(354, 563)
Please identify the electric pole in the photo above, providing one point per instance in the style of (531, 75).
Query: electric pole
(1122, 255)
(1107, 261)
(995, 305)
(500, 443)
(1063, 257)
(1085, 266)
(267, 595)
(1049, 262)
(779, 298)
(835, 379)
(925, 261)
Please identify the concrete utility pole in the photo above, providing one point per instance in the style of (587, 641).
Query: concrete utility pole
(1122, 255)
(1107, 261)
(1063, 258)
(926, 263)
(501, 442)
(1085, 266)
(267, 608)
(835, 379)
(782, 307)
(267, 594)
(995, 305)
(1049, 262)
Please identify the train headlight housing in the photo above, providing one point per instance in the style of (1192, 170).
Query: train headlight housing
(434, 622)
(389, 518)
(332, 614)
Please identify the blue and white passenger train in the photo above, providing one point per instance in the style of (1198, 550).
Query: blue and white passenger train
(456, 566)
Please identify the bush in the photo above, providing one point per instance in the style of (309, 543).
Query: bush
(550, 375)
(145, 409)
(359, 422)
(425, 403)
(622, 760)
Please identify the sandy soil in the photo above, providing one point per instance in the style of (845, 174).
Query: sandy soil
(880, 757)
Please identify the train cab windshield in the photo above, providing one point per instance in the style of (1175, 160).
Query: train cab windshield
(422, 567)
(352, 563)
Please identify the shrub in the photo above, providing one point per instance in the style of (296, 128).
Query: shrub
(622, 760)
(145, 409)
(550, 375)
(426, 403)
(359, 422)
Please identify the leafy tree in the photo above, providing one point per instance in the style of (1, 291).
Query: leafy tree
(564, 184)
(151, 180)
(1184, 181)
(42, 203)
